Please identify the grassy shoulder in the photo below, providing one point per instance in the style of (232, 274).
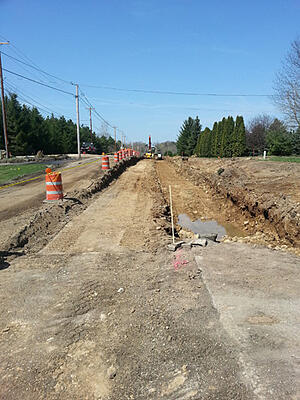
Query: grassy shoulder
(10, 172)
(294, 159)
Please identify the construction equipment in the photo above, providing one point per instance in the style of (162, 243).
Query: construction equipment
(151, 150)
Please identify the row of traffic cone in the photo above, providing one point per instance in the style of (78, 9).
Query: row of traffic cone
(54, 189)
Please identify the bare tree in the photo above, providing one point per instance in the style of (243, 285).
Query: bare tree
(104, 130)
(256, 133)
(287, 85)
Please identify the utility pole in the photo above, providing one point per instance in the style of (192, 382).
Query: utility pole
(91, 127)
(115, 138)
(3, 107)
(77, 113)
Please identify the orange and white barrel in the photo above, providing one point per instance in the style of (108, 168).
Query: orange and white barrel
(54, 189)
(116, 158)
(123, 154)
(105, 162)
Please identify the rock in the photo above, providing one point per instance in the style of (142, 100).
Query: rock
(121, 290)
(111, 372)
(187, 245)
(246, 223)
(199, 242)
(174, 246)
(158, 228)
(209, 236)
(103, 317)
(185, 234)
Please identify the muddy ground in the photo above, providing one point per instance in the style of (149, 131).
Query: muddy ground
(100, 309)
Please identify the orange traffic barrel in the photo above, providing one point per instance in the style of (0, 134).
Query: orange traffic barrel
(116, 157)
(54, 189)
(105, 162)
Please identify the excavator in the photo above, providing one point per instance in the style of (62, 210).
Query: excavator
(151, 153)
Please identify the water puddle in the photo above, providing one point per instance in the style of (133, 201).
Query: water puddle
(205, 227)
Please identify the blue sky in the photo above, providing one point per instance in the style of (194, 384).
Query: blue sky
(169, 45)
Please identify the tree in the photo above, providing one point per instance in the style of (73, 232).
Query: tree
(239, 138)
(29, 132)
(287, 85)
(188, 136)
(218, 139)
(256, 133)
(193, 137)
(295, 138)
(279, 141)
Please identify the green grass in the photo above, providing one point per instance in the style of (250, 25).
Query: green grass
(9, 172)
(283, 159)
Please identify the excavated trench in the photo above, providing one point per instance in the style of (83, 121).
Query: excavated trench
(261, 217)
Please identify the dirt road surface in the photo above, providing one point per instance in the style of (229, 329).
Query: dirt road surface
(20, 202)
(105, 311)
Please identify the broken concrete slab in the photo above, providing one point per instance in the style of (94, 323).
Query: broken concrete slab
(199, 242)
(187, 244)
(208, 236)
(174, 246)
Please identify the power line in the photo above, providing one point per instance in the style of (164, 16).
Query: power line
(86, 101)
(18, 92)
(31, 104)
(36, 68)
(176, 93)
(40, 83)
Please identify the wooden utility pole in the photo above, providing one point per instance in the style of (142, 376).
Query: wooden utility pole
(91, 126)
(115, 129)
(78, 127)
(3, 108)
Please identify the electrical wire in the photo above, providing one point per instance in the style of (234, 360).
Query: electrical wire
(87, 102)
(36, 68)
(40, 83)
(21, 95)
(138, 90)
(176, 93)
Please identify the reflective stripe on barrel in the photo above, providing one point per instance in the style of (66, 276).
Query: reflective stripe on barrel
(105, 162)
(116, 157)
(54, 189)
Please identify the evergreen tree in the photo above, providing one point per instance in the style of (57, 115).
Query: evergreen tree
(279, 141)
(29, 132)
(239, 144)
(193, 136)
(218, 139)
(224, 137)
(183, 142)
(214, 133)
